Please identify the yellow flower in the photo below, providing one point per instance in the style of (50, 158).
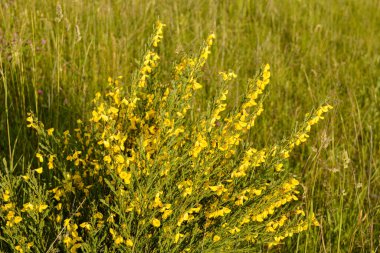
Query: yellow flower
(85, 225)
(113, 110)
(40, 157)
(219, 189)
(10, 215)
(106, 144)
(25, 177)
(67, 240)
(156, 223)
(157, 201)
(166, 214)
(30, 121)
(50, 131)
(278, 238)
(187, 191)
(216, 238)
(66, 222)
(300, 211)
(126, 177)
(6, 196)
(159, 34)
(129, 243)
(42, 207)
(120, 159)
(51, 162)
(185, 217)
(39, 170)
(196, 85)
(19, 248)
(257, 192)
(27, 207)
(245, 220)
(177, 237)
(111, 219)
(200, 144)
(107, 159)
(57, 193)
(178, 130)
(98, 216)
(314, 220)
(74, 248)
(29, 245)
(285, 154)
(278, 167)
(17, 219)
(113, 232)
(234, 230)
(218, 213)
(119, 239)
(227, 77)
(210, 39)
(270, 229)
(266, 72)
(240, 200)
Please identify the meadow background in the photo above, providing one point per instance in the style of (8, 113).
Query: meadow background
(53, 61)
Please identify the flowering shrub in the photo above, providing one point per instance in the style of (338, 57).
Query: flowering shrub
(145, 173)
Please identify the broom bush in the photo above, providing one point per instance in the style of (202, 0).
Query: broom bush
(151, 171)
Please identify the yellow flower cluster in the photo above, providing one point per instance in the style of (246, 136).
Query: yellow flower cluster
(252, 193)
(273, 225)
(252, 158)
(118, 239)
(243, 120)
(218, 213)
(72, 239)
(302, 226)
(159, 34)
(227, 76)
(22, 249)
(150, 62)
(188, 215)
(12, 219)
(218, 189)
(27, 207)
(206, 51)
(220, 107)
(200, 144)
(186, 187)
(303, 133)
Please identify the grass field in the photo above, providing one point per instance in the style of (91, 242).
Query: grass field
(53, 61)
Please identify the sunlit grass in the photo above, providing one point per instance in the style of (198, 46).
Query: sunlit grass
(319, 50)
